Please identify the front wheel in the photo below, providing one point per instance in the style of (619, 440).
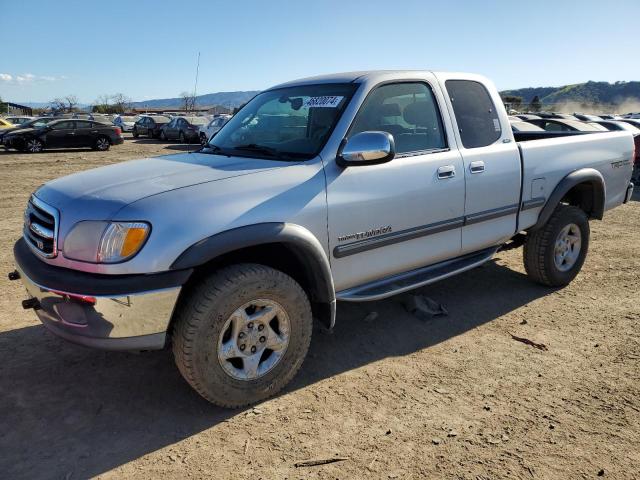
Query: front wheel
(555, 253)
(242, 334)
(34, 145)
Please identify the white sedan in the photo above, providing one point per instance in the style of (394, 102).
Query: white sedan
(125, 122)
(212, 127)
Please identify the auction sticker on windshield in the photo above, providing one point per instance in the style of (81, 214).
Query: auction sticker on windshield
(329, 101)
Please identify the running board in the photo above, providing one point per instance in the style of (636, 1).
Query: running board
(420, 277)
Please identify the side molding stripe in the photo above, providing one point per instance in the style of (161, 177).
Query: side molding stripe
(359, 246)
(533, 203)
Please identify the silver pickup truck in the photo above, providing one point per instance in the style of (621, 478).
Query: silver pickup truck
(350, 187)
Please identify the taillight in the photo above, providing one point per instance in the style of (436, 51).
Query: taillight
(118, 131)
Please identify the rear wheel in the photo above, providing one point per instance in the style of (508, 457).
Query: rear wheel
(555, 253)
(242, 334)
(34, 145)
(102, 144)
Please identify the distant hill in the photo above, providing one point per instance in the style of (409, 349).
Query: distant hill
(225, 99)
(617, 93)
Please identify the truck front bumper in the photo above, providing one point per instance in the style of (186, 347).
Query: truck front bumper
(78, 307)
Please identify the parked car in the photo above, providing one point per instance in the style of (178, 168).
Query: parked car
(18, 120)
(528, 116)
(4, 124)
(609, 116)
(631, 121)
(562, 125)
(587, 118)
(149, 126)
(64, 133)
(184, 129)
(215, 124)
(233, 250)
(525, 127)
(125, 122)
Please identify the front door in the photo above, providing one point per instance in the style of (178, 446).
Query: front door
(61, 135)
(404, 214)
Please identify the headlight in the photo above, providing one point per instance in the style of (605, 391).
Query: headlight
(105, 242)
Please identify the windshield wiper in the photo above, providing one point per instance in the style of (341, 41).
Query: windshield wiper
(254, 147)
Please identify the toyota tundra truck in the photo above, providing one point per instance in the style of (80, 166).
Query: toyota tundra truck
(350, 187)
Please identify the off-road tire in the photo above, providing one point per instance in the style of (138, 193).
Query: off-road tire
(202, 315)
(539, 247)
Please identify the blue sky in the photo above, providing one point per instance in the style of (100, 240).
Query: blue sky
(147, 48)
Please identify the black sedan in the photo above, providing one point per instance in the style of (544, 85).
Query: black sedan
(184, 129)
(64, 134)
(149, 126)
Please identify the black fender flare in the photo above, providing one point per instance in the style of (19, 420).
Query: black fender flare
(584, 175)
(303, 243)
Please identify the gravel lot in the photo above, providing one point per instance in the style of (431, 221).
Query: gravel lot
(396, 397)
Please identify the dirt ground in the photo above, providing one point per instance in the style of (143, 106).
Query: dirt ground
(397, 397)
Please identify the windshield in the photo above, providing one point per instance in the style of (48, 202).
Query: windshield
(293, 122)
(38, 122)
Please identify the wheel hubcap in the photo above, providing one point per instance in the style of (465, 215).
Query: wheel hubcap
(102, 143)
(34, 146)
(254, 339)
(567, 247)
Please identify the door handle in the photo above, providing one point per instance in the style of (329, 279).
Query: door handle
(71, 133)
(476, 167)
(446, 171)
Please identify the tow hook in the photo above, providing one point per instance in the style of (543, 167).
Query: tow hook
(14, 275)
(31, 303)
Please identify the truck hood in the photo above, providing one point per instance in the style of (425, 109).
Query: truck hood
(99, 193)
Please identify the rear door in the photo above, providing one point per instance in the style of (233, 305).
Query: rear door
(491, 162)
(85, 133)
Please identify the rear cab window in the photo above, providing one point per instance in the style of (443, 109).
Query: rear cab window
(476, 115)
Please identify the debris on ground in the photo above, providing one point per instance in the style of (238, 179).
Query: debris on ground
(436, 441)
(322, 461)
(423, 307)
(539, 346)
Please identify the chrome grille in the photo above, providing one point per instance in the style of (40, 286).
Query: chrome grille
(41, 227)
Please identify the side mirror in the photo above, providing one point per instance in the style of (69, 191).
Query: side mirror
(367, 148)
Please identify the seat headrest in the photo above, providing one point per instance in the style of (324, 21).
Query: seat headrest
(418, 113)
(389, 110)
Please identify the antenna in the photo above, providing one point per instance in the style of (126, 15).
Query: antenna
(195, 89)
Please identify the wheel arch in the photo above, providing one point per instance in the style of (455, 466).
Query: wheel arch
(287, 247)
(584, 188)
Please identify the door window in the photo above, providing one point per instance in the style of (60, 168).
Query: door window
(475, 112)
(63, 126)
(408, 111)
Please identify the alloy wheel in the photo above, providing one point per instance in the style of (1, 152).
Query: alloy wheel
(254, 339)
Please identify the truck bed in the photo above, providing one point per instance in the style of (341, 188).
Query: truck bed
(547, 157)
